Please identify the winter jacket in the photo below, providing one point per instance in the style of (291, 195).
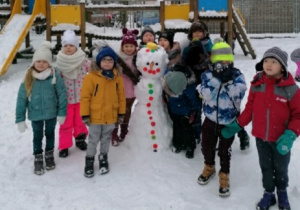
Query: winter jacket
(222, 100)
(273, 106)
(129, 86)
(74, 86)
(206, 42)
(46, 100)
(102, 98)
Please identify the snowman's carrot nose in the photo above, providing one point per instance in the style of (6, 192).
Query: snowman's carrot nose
(151, 65)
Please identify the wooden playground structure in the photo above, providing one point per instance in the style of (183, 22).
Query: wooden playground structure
(56, 15)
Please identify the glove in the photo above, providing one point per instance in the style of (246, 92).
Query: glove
(86, 120)
(230, 130)
(192, 117)
(285, 142)
(217, 74)
(61, 120)
(226, 75)
(22, 126)
(120, 118)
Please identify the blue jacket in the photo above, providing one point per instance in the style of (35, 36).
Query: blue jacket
(221, 101)
(46, 100)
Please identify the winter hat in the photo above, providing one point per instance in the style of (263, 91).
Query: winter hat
(176, 81)
(274, 52)
(129, 36)
(69, 37)
(147, 29)
(221, 51)
(106, 51)
(169, 35)
(43, 53)
(198, 26)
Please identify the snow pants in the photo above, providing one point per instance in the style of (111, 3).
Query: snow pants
(274, 166)
(73, 126)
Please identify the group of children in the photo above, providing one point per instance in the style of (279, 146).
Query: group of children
(78, 93)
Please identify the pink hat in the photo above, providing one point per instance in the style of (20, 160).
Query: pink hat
(129, 36)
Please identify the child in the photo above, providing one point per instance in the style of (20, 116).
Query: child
(222, 90)
(166, 40)
(273, 106)
(147, 35)
(183, 102)
(73, 66)
(295, 56)
(43, 95)
(103, 103)
(127, 52)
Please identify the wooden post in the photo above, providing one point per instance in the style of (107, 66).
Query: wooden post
(82, 25)
(48, 22)
(12, 2)
(162, 15)
(196, 10)
(192, 5)
(27, 40)
(229, 22)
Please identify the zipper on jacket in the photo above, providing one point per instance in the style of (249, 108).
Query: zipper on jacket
(96, 90)
(268, 124)
(218, 107)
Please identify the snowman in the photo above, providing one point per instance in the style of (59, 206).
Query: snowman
(150, 128)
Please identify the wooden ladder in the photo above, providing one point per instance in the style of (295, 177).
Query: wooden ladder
(240, 33)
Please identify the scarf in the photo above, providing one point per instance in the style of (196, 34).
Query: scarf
(108, 73)
(44, 75)
(70, 65)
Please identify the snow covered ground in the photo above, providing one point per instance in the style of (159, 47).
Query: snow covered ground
(141, 181)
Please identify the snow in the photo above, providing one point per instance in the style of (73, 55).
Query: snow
(141, 181)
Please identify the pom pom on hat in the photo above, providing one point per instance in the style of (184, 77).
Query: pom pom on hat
(221, 51)
(43, 53)
(106, 51)
(69, 37)
(169, 35)
(129, 36)
(176, 82)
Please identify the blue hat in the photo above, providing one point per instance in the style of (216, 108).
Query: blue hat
(106, 51)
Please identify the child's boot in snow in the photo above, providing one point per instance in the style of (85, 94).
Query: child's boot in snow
(89, 166)
(39, 164)
(103, 164)
(80, 141)
(267, 201)
(224, 190)
(49, 159)
(283, 201)
(207, 173)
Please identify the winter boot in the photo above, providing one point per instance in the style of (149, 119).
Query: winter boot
(63, 153)
(103, 164)
(189, 153)
(283, 201)
(207, 173)
(39, 164)
(267, 200)
(80, 141)
(224, 190)
(115, 137)
(49, 159)
(244, 139)
(89, 166)
(124, 131)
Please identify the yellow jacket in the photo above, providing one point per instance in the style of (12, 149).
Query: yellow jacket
(102, 98)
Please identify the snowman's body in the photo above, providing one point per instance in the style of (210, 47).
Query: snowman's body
(150, 127)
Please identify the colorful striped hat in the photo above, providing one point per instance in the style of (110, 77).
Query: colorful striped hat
(221, 51)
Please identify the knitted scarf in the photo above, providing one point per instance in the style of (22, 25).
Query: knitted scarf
(44, 75)
(70, 65)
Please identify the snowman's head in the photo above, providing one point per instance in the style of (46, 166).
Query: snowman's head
(152, 60)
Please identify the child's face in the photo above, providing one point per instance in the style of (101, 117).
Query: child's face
(198, 34)
(148, 37)
(107, 63)
(129, 49)
(164, 43)
(272, 67)
(41, 65)
(69, 49)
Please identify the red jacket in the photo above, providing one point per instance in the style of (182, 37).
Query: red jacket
(273, 106)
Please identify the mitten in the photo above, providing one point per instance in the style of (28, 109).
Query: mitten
(22, 126)
(120, 118)
(192, 117)
(217, 74)
(86, 120)
(61, 119)
(231, 129)
(226, 75)
(285, 142)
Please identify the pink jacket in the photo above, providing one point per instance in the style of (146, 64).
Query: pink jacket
(73, 86)
(128, 84)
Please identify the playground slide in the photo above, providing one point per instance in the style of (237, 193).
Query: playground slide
(15, 31)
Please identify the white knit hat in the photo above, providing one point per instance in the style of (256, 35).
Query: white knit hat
(70, 37)
(43, 53)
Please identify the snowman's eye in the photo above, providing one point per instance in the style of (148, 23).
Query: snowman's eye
(156, 64)
(147, 63)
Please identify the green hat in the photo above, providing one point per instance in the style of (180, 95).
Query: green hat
(221, 51)
(176, 81)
